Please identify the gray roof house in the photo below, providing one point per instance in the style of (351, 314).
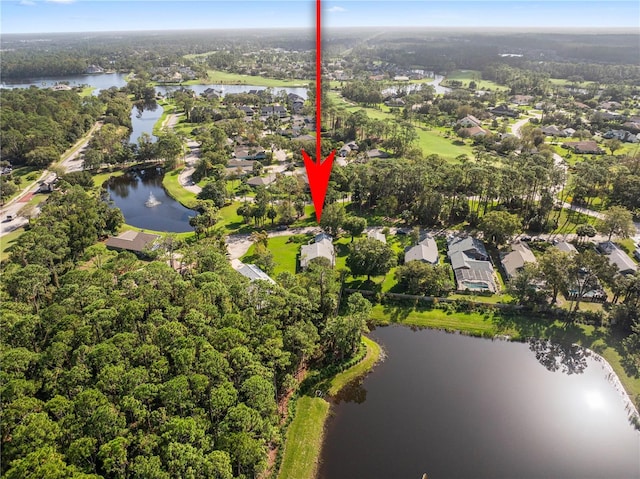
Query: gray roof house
(134, 241)
(515, 260)
(321, 247)
(618, 257)
(566, 247)
(471, 265)
(425, 251)
(254, 273)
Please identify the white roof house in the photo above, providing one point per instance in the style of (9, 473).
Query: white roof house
(566, 247)
(425, 251)
(321, 247)
(375, 234)
(254, 273)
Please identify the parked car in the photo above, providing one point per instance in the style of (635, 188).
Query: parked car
(9, 218)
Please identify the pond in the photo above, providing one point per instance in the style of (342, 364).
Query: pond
(143, 118)
(100, 81)
(134, 193)
(453, 406)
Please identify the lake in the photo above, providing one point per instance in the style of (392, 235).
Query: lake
(131, 191)
(458, 407)
(100, 81)
(143, 119)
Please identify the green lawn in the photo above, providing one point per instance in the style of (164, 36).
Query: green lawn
(216, 76)
(466, 76)
(304, 439)
(230, 219)
(7, 241)
(27, 176)
(285, 253)
(432, 142)
(172, 186)
(358, 370)
(100, 178)
(305, 434)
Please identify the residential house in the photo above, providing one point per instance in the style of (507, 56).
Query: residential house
(426, 251)
(247, 153)
(588, 147)
(568, 132)
(514, 261)
(471, 265)
(469, 121)
(254, 273)
(521, 99)
(504, 110)
(274, 110)
(91, 69)
(566, 247)
(134, 241)
(376, 153)
(321, 247)
(376, 234)
(210, 94)
(248, 111)
(621, 135)
(551, 130)
(348, 148)
(395, 103)
(617, 257)
(474, 131)
(261, 180)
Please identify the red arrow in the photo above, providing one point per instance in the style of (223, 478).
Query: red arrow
(318, 172)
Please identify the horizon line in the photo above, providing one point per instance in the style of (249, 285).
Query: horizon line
(522, 29)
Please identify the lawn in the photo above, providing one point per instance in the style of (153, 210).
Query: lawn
(230, 219)
(7, 241)
(433, 142)
(220, 77)
(100, 178)
(466, 76)
(172, 186)
(305, 434)
(285, 253)
(304, 439)
(27, 175)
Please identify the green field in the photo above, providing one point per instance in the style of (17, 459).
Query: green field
(285, 254)
(432, 142)
(216, 76)
(304, 439)
(466, 76)
(172, 186)
(99, 179)
(7, 241)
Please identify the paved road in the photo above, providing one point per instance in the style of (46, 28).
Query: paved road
(71, 161)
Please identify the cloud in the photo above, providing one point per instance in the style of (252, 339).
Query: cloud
(337, 9)
(60, 1)
(28, 3)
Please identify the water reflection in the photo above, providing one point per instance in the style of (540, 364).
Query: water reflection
(566, 358)
(352, 392)
(131, 192)
(460, 407)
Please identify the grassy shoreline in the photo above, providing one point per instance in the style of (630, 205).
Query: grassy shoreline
(303, 442)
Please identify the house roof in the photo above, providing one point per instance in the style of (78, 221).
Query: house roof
(377, 235)
(425, 250)
(466, 244)
(470, 118)
(566, 247)
(475, 131)
(131, 241)
(376, 153)
(588, 146)
(618, 257)
(254, 273)
(261, 181)
(517, 258)
(321, 248)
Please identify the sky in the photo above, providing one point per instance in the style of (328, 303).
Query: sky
(40, 16)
